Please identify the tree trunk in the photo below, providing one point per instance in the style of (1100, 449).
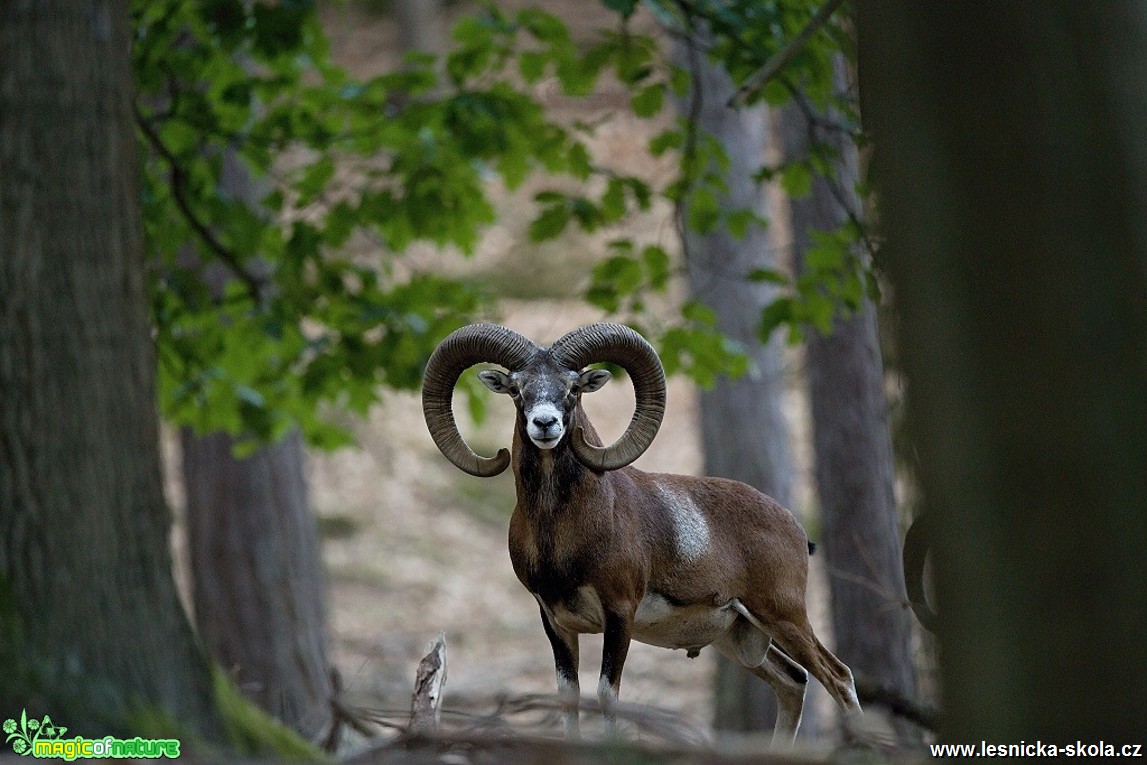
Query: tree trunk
(854, 467)
(744, 432)
(91, 628)
(1009, 156)
(420, 25)
(258, 587)
(256, 560)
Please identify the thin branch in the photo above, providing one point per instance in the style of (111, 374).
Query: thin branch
(892, 600)
(812, 119)
(689, 147)
(756, 83)
(178, 177)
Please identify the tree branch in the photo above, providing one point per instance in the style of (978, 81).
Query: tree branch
(689, 146)
(178, 176)
(756, 83)
(815, 143)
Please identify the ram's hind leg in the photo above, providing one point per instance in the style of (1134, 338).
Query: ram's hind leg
(750, 647)
(793, 632)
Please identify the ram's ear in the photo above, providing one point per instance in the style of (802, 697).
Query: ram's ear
(592, 379)
(495, 380)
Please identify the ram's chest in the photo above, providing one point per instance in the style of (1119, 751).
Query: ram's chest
(562, 584)
(554, 558)
(579, 610)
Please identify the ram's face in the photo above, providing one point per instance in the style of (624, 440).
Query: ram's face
(546, 397)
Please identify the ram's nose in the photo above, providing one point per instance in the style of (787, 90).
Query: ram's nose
(545, 423)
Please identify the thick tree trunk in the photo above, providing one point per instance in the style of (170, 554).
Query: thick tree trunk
(91, 628)
(1013, 180)
(744, 431)
(258, 586)
(852, 444)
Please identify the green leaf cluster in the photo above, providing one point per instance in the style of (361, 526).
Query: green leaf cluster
(743, 35)
(264, 162)
(835, 280)
(280, 193)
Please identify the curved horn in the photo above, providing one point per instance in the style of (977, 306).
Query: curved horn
(462, 349)
(617, 344)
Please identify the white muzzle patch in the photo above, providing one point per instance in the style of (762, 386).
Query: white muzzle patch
(544, 425)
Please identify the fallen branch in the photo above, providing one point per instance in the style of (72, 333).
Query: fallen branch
(426, 706)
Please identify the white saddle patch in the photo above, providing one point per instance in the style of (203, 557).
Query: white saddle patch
(690, 529)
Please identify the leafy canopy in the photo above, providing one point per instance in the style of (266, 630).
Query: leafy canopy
(263, 160)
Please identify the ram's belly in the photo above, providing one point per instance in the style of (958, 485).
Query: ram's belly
(659, 622)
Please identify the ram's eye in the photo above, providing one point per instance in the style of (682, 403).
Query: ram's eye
(515, 391)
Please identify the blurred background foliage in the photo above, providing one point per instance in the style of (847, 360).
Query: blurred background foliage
(265, 317)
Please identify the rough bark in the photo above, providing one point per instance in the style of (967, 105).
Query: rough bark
(1013, 180)
(744, 432)
(852, 444)
(258, 586)
(91, 628)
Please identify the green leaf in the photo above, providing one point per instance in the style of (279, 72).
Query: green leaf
(775, 93)
(704, 214)
(767, 275)
(819, 311)
(314, 180)
(641, 192)
(780, 311)
(739, 222)
(551, 222)
(613, 200)
(649, 100)
(532, 65)
(621, 272)
(796, 180)
(579, 161)
(226, 18)
(700, 313)
(680, 81)
(826, 254)
(279, 27)
(666, 140)
(657, 264)
(624, 7)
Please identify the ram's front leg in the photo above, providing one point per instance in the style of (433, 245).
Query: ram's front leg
(565, 646)
(615, 646)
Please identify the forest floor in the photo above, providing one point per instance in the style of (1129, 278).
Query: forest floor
(413, 546)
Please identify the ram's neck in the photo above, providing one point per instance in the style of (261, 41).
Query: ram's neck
(547, 479)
